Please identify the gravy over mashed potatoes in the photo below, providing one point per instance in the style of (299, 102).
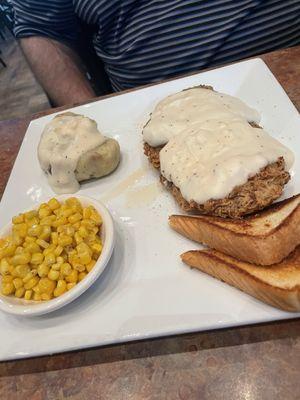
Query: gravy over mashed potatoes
(68, 139)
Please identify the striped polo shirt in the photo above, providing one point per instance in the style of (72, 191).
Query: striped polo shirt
(142, 41)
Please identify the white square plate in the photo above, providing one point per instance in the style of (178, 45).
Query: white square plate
(145, 290)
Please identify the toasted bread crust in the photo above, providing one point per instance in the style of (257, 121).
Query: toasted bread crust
(262, 249)
(212, 263)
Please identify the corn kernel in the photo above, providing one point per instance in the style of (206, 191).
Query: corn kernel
(72, 277)
(65, 269)
(54, 238)
(78, 238)
(10, 250)
(32, 221)
(76, 226)
(96, 218)
(64, 240)
(90, 265)
(85, 257)
(75, 218)
(29, 240)
(42, 243)
(37, 297)
(59, 249)
(4, 267)
(22, 270)
(49, 259)
(17, 240)
(37, 258)
(49, 249)
(31, 283)
(30, 215)
(28, 294)
(97, 248)
(27, 277)
(47, 221)
(88, 223)
(35, 230)
(43, 270)
(18, 282)
(20, 292)
(11, 269)
(44, 211)
(7, 279)
(46, 232)
(21, 229)
(82, 248)
(87, 212)
(53, 275)
(18, 219)
(66, 212)
(81, 276)
(79, 267)
(19, 250)
(36, 289)
(59, 222)
(46, 296)
(71, 285)
(33, 248)
(61, 288)
(8, 288)
(56, 267)
(46, 285)
(22, 259)
(72, 201)
(95, 230)
(72, 254)
(83, 232)
(60, 260)
(54, 204)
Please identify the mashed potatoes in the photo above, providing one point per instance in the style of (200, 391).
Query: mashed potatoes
(71, 149)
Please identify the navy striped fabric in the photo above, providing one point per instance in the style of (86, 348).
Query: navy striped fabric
(142, 41)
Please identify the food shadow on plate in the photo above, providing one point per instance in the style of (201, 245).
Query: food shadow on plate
(99, 294)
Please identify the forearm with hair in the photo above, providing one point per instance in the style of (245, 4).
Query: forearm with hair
(58, 69)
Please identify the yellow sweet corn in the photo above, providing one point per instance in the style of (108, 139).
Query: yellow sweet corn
(49, 249)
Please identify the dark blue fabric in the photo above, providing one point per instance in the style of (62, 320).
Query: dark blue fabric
(142, 41)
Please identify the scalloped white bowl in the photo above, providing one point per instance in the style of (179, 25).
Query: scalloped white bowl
(12, 305)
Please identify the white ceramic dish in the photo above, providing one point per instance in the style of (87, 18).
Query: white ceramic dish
(145, 291)
(23, 307)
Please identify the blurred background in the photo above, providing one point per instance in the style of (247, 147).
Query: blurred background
(20, 94)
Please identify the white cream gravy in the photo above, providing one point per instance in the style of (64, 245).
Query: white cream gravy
(177, 112)
(211, 148)
(64, 140)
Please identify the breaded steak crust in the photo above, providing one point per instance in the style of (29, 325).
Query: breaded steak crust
(257, 193)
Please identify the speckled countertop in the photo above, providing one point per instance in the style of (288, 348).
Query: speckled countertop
(260, 362)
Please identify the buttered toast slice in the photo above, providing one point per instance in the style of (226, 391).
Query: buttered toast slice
(278, 285)
(265, 238)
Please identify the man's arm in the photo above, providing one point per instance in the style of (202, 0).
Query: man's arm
(58, 69)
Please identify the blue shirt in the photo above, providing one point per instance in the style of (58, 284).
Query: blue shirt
(142, 41)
